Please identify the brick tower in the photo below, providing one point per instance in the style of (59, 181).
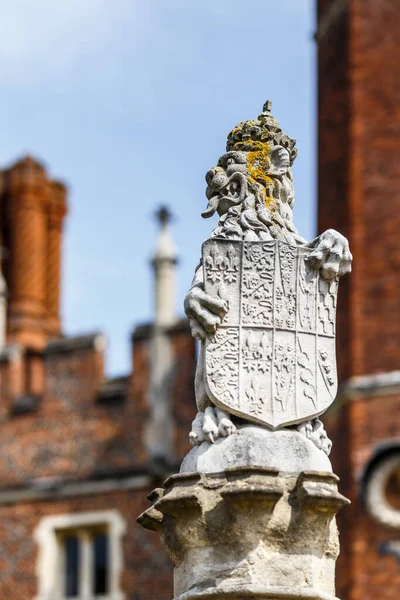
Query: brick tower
(32, 212)
(359, 195)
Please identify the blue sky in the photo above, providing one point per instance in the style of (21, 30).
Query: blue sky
(130, 102)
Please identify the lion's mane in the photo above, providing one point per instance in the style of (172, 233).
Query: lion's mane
(253, 220)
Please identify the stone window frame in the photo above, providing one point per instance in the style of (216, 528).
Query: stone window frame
(375, 500)
(49, 565)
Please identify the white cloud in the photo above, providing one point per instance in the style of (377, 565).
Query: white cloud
(43, 37)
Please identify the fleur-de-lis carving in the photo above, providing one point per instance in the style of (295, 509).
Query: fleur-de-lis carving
(256, 395)
(222, 266)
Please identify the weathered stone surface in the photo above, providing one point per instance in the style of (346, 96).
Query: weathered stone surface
(286, 450)
(252, 513)
(263, 300)
(272, 359)
(249, 532)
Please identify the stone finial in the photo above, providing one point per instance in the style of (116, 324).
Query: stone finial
(163, 215)
(267, 106)
(165, 247)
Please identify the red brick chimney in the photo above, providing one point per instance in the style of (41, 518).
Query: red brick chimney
(33, 208)
(57, 209)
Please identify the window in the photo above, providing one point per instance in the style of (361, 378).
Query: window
(80, 556)
(71, 566)
(85, 563)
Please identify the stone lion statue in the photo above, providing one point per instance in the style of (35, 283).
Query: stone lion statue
(251, 189)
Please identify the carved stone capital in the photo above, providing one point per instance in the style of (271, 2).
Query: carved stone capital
(249, 531)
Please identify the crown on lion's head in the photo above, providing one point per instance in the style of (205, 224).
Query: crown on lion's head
(248, 135)
(251, 188)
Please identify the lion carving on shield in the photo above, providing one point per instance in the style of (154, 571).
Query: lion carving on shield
(251, 189)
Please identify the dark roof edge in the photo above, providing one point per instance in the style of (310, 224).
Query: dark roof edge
(144, 331)
(92, 341)
(53, 488)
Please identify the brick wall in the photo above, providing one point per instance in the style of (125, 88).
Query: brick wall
(147, 572)
(359, 174)
(357, 427)
(74, 428)
(359, 194)
(84, 429)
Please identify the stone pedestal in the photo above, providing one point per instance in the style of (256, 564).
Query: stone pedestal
(286, 450)
(249, 532)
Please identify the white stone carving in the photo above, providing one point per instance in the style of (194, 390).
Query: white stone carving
(272, 358)
(263, 300)
(252, 512)
(314, 430)
(284, 449)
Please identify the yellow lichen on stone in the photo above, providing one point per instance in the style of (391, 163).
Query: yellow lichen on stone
(270, 203)
(259, 163)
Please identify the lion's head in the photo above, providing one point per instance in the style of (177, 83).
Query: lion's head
(251, 188)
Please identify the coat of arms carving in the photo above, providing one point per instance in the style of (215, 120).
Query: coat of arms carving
(272, 358)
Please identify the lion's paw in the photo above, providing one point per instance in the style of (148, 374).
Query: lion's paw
(330, 254)
(196, 436)
(210, 426)
(210, 431)
(315, 432)
(226, 427)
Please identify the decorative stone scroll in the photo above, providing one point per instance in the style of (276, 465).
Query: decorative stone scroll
(272, 359)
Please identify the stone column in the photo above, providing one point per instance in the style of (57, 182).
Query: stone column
(251, 531)
(159, 431)
(164, 264)
(252, 512)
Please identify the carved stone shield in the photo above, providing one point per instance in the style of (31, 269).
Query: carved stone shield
(272, 360)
